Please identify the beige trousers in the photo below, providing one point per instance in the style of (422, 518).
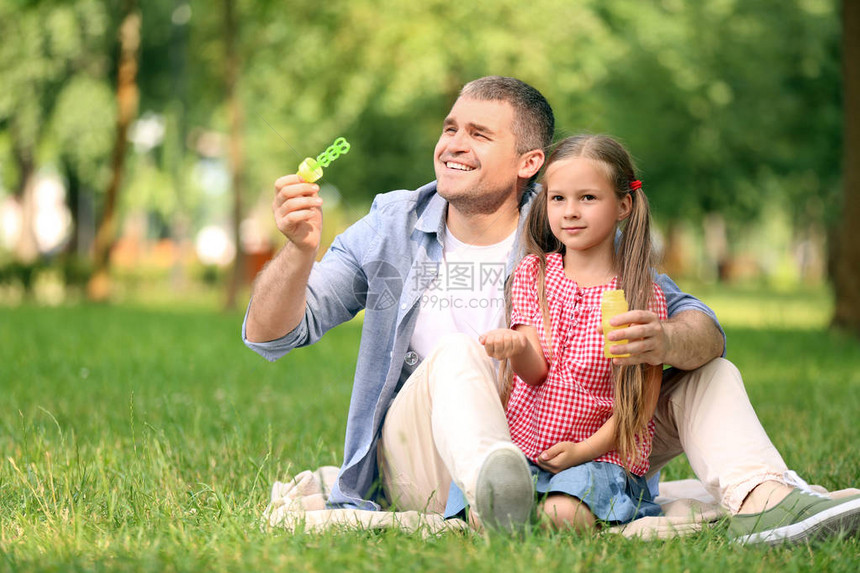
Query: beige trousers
(448, 415)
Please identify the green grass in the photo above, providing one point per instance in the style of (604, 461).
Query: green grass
(136, 438)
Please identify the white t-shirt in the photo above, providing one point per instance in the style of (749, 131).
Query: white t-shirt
(468, 294)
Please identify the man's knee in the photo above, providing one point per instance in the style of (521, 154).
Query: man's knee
(458, 347)
(717, 375)
(457, 343)
(714, 389)
(460, 359)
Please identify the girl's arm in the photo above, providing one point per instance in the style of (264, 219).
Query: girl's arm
(522, 346)
(564, 455)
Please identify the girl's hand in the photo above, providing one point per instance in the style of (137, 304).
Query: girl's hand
(504, 343)
(564, 455)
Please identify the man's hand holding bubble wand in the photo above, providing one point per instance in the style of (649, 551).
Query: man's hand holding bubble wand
(297, 205)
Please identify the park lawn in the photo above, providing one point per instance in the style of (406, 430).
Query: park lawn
(148, 439)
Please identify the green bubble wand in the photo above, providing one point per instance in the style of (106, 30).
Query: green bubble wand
(311, 168)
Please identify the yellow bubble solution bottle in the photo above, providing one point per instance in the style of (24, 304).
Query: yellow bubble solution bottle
(612, 304)
(312, 169)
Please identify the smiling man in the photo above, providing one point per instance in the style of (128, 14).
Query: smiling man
(428, 268)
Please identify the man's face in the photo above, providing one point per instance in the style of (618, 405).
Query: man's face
(476, 160)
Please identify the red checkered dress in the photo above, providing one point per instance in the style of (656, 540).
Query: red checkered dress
(577, 397)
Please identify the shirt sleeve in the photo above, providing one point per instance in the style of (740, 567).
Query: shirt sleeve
(679, 301)
(331, 291)
(525, 308)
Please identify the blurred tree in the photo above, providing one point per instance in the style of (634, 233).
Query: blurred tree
(729, 105)
(232, 71)
(45, 46)
(99, 286)
(845, 247)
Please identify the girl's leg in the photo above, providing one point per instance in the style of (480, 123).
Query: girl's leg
(567, 512)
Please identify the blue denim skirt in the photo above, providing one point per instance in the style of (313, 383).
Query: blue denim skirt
(610, 493)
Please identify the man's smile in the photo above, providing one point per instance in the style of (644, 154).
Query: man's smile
(458, 166)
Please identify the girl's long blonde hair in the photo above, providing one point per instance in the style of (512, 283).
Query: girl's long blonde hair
(633, 262)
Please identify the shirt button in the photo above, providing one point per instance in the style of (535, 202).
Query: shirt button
(403, 306)
(411, 358)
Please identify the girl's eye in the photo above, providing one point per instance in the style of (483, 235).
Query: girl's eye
(588, 197)
(556, 198)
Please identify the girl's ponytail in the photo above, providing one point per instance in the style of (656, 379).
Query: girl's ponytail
(634, 258)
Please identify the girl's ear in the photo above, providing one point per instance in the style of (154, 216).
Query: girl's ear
(530, 163)
(625, 207)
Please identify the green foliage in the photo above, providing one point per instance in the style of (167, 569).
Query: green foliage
(149, 439)
(44, 46)
(84, 128)
(727, 105)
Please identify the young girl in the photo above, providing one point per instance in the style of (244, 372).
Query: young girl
(583, 424)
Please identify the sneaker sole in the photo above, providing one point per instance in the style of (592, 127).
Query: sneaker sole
(505, 494)
(843, 518)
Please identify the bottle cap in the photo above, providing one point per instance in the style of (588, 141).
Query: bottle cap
(310, 170)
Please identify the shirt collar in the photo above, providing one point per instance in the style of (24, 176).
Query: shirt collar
(432, 220)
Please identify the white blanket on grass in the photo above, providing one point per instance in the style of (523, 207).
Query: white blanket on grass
(299, 502)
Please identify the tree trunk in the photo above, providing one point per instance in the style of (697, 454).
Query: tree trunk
(99, 287)
(673, 258)
(26, 248)
(237, 157)
(846, 277)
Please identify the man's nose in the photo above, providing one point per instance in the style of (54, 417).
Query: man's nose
(458, 141)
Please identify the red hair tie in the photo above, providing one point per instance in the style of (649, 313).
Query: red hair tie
(635, 185)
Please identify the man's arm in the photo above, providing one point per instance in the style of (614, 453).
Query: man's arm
(687, 340)
(692, 340)
(278, 299)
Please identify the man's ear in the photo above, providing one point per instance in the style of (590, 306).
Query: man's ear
(530, 163)
(625, 207)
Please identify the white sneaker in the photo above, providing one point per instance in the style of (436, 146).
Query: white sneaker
(504, 494)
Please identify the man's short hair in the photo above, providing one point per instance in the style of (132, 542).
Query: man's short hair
(534, 122)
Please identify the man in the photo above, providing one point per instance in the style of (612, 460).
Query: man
(425, 407)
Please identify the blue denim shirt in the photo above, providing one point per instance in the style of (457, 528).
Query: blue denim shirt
(380, 264)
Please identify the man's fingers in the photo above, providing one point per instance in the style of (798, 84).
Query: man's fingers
(291, 186)
(303, 202)
(633, 316)
(295, 217)
(287, 180)
(634, 332)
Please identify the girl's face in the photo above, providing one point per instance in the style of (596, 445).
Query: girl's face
(581, 205)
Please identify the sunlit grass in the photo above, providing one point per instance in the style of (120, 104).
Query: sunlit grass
(147, 438)
(808, 307)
